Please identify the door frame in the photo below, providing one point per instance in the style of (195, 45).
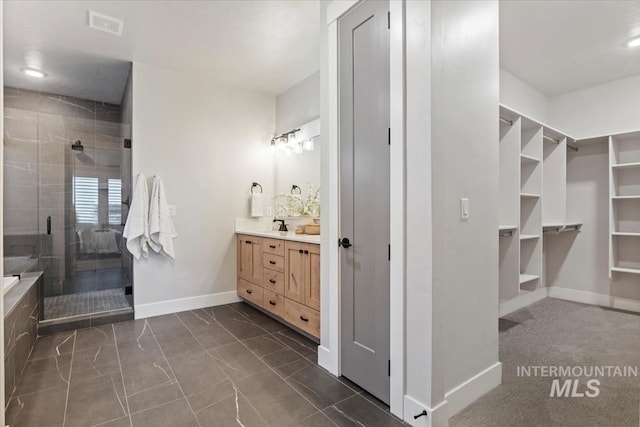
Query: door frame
(329, 350)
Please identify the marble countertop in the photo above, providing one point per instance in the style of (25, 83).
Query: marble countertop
(290, 235)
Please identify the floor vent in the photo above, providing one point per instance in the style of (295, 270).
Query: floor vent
(105, 23)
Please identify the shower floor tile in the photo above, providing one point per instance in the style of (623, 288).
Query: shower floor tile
(84, 303)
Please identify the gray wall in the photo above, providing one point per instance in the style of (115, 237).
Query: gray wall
(299, 104)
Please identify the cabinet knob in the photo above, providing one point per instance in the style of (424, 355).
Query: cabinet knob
(248, 242)
(304, 319)
(306, 252)
(300, 251)
(249, 292)
(272, 302)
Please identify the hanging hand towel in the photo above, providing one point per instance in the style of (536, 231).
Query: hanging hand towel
(256, 205)
(136, 230)
(161, 230)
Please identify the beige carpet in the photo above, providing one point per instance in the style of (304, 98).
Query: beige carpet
(560, 333)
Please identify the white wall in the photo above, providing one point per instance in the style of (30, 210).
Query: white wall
(299, 104)
(465, 96)
(518, 95)
(604, 109)
(208, 143)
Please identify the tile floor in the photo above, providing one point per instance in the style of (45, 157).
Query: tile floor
(84, 303)
(223, 366)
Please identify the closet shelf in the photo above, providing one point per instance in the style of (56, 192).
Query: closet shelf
(626, 234)
(625, 270)
(526, 278)
(559, 228)
(529, 236)
(626, 165)
(529, 196)
(528, 159)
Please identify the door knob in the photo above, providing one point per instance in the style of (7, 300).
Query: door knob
(344, 242)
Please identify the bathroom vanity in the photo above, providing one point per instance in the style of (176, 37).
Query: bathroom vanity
(281, 275)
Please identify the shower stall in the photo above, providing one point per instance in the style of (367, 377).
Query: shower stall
(67, 184)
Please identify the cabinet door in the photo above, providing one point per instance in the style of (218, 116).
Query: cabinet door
(312, 288)
(250, 259)
(296, 266)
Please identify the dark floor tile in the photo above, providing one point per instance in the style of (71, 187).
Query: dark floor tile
(256, 316)
(54, 363)
(212, 336)
(297, 342)
(174, 343)
(319, 387)
(196, 371)
(358, 411)
(231, 411)
(237, 361)
(145, 349)
(353, 386)
(277, 402)
(211, 396)
(121, 315)
(146, 375)
(154, 397)
(89, 338)
(102, 394)
(238, 325)
(318, 419)
(176, 413)
(48, 329)
(263, 345)
(288, 369)
(166, 323)
(42, 381)
(53, 345)
(120, 422)
(130, 330)
(195, 319)
(94, 363)
(45, 408)
(281, 357)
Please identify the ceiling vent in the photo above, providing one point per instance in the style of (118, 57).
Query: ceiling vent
(105, 23)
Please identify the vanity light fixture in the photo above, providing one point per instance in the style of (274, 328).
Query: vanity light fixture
(272, 146)
(308, 144)
(634, 42)
(285, 143)
(33, 72)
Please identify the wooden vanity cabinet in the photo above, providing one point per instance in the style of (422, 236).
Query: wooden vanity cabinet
(283, 278)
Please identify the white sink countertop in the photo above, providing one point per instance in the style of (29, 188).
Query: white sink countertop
(261, 228)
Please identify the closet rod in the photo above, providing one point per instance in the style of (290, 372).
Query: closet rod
(548, 138)
(505, 121)
(574, 148)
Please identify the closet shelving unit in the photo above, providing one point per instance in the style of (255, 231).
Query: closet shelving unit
(533, 162)
(624, 203)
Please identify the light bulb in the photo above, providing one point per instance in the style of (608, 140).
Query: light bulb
(292, 140)
(287, 151)
(272, 146)
(308, 145)
(298, 148)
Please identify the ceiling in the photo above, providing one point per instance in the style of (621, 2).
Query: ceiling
(262, 45)
(561, 46)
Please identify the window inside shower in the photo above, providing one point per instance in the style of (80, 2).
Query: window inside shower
(67, 183)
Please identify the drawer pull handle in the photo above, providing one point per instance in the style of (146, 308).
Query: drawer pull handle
(248, 242)
(304, 319)
(272, 262)
(300, 251)
(272, 246)
(272, 281)
(249, 292)
(272, 302)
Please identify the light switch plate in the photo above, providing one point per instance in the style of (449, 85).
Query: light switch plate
(464, 208)
(172, 210)
(269, 211)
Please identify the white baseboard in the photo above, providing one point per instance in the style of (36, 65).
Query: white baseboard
(183, 304)
(461, 396)
(436, 416)
(522, 301)
(593, 298)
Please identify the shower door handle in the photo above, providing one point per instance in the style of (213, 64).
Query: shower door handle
(49, 224)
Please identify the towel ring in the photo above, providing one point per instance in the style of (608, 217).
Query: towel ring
(295, 189)
(254, 185)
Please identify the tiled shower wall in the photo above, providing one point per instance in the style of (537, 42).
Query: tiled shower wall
(38, 169)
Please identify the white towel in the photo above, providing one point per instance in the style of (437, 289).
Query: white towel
(136, 230)
(161, 230)
(256, 205)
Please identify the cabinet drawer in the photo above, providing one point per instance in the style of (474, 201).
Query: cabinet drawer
(274, 262)
(302, 317)
(250, 291)
(273, 302)
(273, 280)
(273, 246)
